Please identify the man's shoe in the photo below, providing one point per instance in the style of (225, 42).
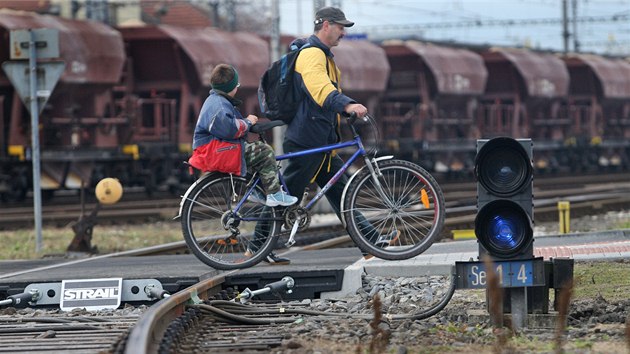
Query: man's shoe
(257, 196)
(384, 241)
(387, 240)
(280, 198)
(274, 259)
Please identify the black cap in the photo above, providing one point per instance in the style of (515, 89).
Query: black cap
(332, 14)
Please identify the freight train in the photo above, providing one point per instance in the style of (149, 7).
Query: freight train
(128, 100)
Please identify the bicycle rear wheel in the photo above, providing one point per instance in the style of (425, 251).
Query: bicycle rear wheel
(412, 203)
(218, 234)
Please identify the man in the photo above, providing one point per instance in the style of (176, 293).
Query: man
(317, 121)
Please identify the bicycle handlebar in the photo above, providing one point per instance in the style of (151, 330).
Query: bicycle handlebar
(262, 127)
(352, 117)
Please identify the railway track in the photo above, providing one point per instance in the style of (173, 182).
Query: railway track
(137, 208)
(131, 212)
(172, 323)
(64, 333)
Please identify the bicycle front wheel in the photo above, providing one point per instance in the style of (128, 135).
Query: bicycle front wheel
(219, 232)
(401, 218)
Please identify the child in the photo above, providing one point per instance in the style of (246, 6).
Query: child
(219, 142)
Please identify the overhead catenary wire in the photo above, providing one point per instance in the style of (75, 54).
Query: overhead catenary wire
(495, 22)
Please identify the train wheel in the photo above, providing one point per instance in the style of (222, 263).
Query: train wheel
(17, 187)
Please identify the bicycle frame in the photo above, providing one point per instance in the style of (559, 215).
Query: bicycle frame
(360, 151)
(356, 142)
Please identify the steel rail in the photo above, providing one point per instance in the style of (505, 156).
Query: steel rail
(146, 335)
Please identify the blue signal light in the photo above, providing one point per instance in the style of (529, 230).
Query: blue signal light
(503, 228)
(504, 232)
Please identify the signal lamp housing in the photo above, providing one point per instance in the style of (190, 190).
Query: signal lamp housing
(504, 172)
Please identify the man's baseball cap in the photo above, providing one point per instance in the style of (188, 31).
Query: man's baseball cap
(332, 14)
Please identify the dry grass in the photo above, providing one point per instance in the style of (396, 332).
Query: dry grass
(610, 280)
(20, 244)
(380, 336)
(495, 299)
(564, 300)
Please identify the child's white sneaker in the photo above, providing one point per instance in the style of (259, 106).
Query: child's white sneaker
(280, 198)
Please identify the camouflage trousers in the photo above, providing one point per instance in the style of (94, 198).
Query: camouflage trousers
(260, 157)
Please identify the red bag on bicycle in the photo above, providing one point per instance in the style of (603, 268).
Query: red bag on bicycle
(217, 155)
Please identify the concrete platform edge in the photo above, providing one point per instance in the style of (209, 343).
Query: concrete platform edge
(352, 281)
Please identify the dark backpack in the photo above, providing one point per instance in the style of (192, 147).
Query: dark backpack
(277, 95)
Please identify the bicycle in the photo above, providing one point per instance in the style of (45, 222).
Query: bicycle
(382, 196)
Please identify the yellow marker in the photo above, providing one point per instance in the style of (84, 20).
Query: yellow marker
(463, 234)
(132, 150)
(17, 150)
(564, 217)
(424, 197)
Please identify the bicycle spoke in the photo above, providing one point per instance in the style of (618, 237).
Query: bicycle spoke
(221, 236)
(408, 188)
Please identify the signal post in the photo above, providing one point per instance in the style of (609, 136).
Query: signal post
(34, 82)
(504, 231)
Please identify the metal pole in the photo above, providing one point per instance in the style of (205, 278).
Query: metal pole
(278, 134)
(518, 302)
(576, 42)
(214, 5)
(37, 193)
(318, 4)
(231, 15)
(565, 26)
(298, 16)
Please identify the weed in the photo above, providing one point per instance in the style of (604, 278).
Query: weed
(564, 300)
(380, 336)
(495, 305)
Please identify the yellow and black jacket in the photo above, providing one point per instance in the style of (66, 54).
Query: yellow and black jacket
(316, 121)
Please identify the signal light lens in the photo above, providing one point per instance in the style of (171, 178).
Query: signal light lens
(507, 168)
(503, 232)
(503, 228)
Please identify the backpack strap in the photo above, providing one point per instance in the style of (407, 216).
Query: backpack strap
(308, 44)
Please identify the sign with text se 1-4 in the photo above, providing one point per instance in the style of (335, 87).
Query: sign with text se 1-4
(511, 274)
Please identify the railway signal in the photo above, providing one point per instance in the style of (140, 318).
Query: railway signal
(503, 225)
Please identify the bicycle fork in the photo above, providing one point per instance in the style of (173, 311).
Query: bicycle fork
(372, 166)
